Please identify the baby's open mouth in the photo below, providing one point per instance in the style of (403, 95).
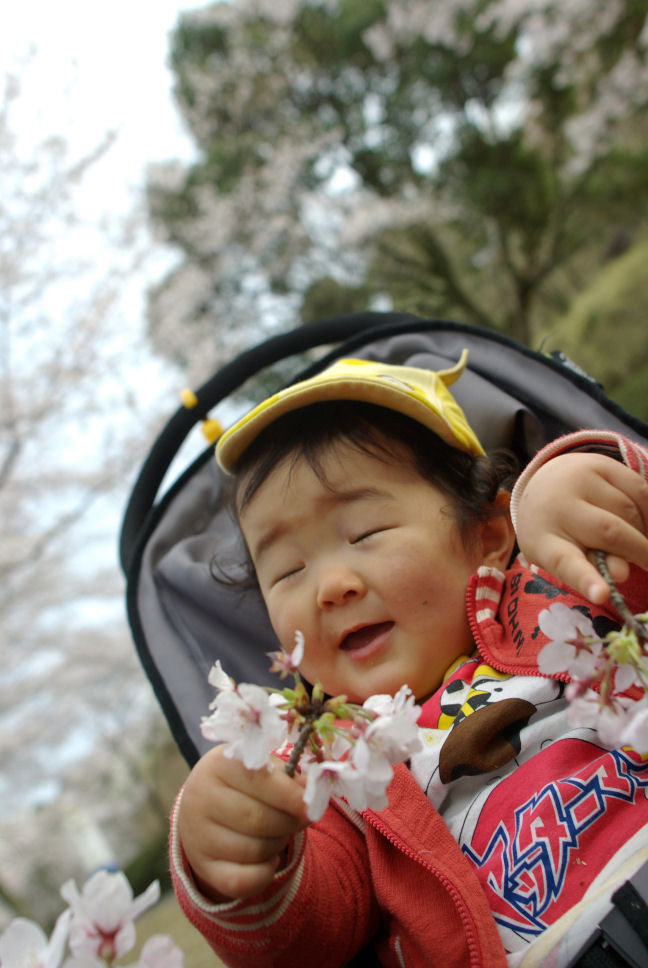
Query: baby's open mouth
(365, 636)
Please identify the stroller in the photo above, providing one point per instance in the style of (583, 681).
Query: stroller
(182, 620)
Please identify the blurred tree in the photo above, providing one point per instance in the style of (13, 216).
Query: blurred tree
(474, 158)
(113, 811)
(70, 434)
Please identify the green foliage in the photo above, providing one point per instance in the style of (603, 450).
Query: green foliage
(193, 43)
(196, 42)
(498, 157)
(632, 395)
(618, 183)
(605, 330)
(475, 72)
(505, 180)
(328, 297)
(335, 36)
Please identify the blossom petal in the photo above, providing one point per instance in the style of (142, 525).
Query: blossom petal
(219, 679)
(145, 900)
(553, 658)
(635, 732)
(297, 654)
(159, 951)
(625, 676)
(84, 960)
(561, 623)
(248, 723)
(21, 943)
(103, 914)
(327, 779)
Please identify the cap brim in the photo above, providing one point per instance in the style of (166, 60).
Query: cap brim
(235, 442)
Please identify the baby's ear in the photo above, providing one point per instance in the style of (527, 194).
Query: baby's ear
(497, 534)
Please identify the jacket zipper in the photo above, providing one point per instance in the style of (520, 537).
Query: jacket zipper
(404, 848)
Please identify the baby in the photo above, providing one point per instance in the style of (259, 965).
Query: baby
(377, 526)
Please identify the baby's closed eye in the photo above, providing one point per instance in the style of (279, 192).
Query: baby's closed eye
(370, 533)
(287, 572)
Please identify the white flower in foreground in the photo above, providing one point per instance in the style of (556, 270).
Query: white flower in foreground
(288, 663)
(248, 722)
(160, 952)
(609, 718)
(331, 778)
(297, 653)
(384, 704)
(635, 733)
(568, 631)
(375, 772)
(344, 750)
(394, 734)
(219, 679)
(103, 914)
(85, 960)
(24, 944)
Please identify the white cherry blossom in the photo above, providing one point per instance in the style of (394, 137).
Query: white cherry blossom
(288, 663)
(248, 722)
(625, 676)
(103, 914)
(394, 733)
(375, 772)
(568, 630)
(344, 750)
(635, 732)
(331, 778)
(160, 952)
(610, 719)
(219, 679)
(24, 944)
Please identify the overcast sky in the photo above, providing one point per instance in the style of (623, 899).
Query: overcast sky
(98, 66)
(86, 67)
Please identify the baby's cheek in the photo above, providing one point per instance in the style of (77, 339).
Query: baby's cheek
(406, 578)
(284, 630)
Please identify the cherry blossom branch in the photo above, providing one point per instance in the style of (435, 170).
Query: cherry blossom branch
(305, 734)
(342, 748)
(608, 687)
(619, 602)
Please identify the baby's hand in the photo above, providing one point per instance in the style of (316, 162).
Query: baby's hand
(234, 824)
(577, 503)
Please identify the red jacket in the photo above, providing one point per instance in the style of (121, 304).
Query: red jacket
(397, 876)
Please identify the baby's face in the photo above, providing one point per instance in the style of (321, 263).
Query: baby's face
(370, 566)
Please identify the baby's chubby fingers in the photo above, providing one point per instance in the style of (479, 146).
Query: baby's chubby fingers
(235, 823)
(221, 782)
(578, 569)
(577, 503)
(570, 554)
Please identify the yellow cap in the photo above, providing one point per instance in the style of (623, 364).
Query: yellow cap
(420, 394)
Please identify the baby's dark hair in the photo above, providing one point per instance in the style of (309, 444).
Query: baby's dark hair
(470, 481)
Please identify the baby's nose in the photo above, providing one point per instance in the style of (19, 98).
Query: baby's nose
(337, 585)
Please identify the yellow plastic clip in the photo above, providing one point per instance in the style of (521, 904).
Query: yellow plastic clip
(189, 399)
(211, 428)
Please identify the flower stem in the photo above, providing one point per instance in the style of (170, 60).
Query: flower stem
(618, 600)
(300, 745)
